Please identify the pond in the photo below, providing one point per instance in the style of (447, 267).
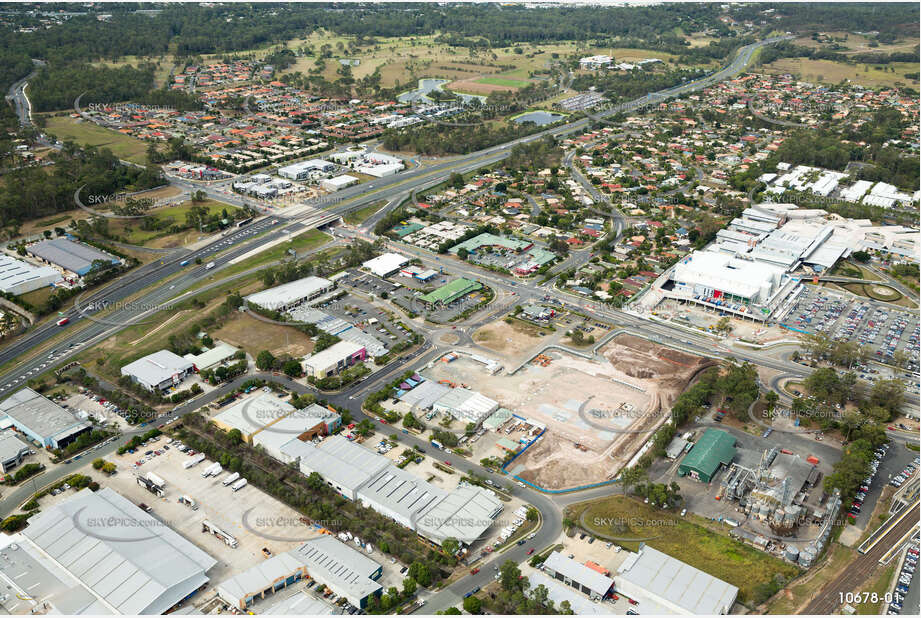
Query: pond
(540, 117)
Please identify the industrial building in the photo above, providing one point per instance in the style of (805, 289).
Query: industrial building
(714, 449)
(332, 360)
(209, 359)
(159, 371)
(70, 256)
(40, 419)
(338, 182)
(386, 264)
(304, 169)
(357, 473)
(590, 63)
(450, 292)
(289, 295)
(251, 415)
(312, 422)
(18, 277)
(575, 574)
(661, 584)
(466, 405)
(133, 564)
(343, 569)
(12, 452)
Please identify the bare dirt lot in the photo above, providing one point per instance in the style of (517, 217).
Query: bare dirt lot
(607, 405)
(472, 86)
(510, 340)
(244, 331)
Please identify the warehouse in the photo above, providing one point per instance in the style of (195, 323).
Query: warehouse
(134, 565)
(159, 371)
(714, 449)
(42, 420)
(311, 422)
(575, 574)
(343, 569)
(386, 264)
(289, 295)
(334, 359)
(12, 452)
(424, 395)
(466, 405)
(664, 585)
(253, 414)
(337, 183)
(450, 292)
(69, 256)
(18, 277)
(209, 359)
(357, 473)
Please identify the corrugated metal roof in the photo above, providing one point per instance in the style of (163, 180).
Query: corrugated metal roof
(676, 584)
(577, 572)
(129, 559)
(41, 415)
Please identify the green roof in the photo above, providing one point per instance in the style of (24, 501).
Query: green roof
(491, 240)
(508, 445)
(450, 292)
(715, 447)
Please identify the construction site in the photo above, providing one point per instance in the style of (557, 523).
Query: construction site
(598, 409)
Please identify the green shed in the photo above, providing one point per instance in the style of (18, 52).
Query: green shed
(715, 448)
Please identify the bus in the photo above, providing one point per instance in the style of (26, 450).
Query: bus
(245, 221)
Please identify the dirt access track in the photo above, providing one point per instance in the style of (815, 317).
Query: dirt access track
(609, 406)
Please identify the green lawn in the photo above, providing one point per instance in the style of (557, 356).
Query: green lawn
(311, 239)
(741, 565)
(504, 81)
(88, 134)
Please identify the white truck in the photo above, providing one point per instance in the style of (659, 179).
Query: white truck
(156, 480)
(209, 265)
(230, 479)
(212, 470)
(240, 484)
(194, 461)
(189, 502)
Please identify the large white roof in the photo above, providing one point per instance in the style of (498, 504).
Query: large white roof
(282, 295)
(677, 585)
(131, 561)
(386, 263)
(157, 367)
(41, 415)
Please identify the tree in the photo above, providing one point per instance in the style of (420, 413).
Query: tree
(315, 481)
(771, 398)
(265, 360)
(462, 253)
(450, 546)
(532, 514)
(630, 477)
(451, 611)
(409, 587)
(292, 368)
(472, 605)
(235, 436)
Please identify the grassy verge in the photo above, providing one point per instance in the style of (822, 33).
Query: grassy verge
(171, 215)
(836, 559)
(752, 571)
(357, 217)
(879, 585)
